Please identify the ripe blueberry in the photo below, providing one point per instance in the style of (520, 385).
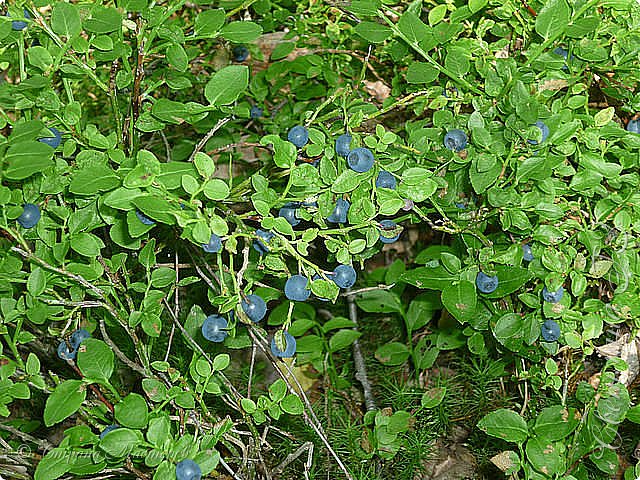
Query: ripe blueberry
(296, 288)
(388, 226)
(108, 429)
(214, 245)
(54, 141)
(386, 180)
(288, 212)
(360, 159)
(550, 331)
(527, 254)
(78, 337)
(298, 135)
(260, 245)
(461, 205)
(340, 212)
(543, 129)
(240, 53)
(455, 140)
(65, 353)
(18, 25)
(213, 328)
(144, 219)
(255, 112)
(30, 216)
(188, 470)
(342, 144)
(344, 276)
(552, 297)
(255, 307)
(290, 346)
(485, 283)
(634, 126)
(561, 51)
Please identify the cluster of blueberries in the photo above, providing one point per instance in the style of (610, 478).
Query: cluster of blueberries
(488, 284)
(360, 160)
(69, 351)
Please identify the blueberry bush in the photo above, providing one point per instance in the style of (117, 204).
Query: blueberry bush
(267, 239)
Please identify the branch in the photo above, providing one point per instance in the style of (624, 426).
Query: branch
(206, 138)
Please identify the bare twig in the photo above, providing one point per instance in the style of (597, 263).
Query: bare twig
(200, 145)
(245, 265)
(41, 443)
(350, 292)
(308, 447)
(358, 359)
(123, 358)
(228, 469)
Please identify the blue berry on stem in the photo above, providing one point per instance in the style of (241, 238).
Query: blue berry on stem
(240, 53)
(108, 429)
(213, 328)
(78, 337)
(344, 276)
(290, 346)
(260, 245)
(386, 180)
(455, 140)
(343, 143)
(255, 112)
(255, 307)
(298, 135)
(339, 214)
(485, 283)
(527, 254)
(30, 216)
(634, 126)
(144, 219)
(552, 297)
(543, 129)
(388, 226)
(53, 141)
(65, 353)
(296, 289)
(214, 245)
(550, 331)
(188, 470)
(288, 212)
(360, 159)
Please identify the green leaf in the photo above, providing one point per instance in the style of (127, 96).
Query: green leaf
(65, 400)
(413, 28)
(545, 456)
(509, 331)
(555, 423)
(216, 189)
(553, 18)
(460, 300)
(434, 277)
(27, 158)
(437, 14)
(65, 19)
(433, 397)
(37, 281)
(510, 279)
(209, 22)
(95, 360)
(477, 5)
(292, 404)
(87, 244)
(177, 57)
(379, 301)
(132, 411)
(505, 424)
(120, 442)
(393, 353)
(343, 339)
(241, 32)
(227, 85)
(53, 465)
(373, 32)
(94, 179)
(103, 20)
(421, 72)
